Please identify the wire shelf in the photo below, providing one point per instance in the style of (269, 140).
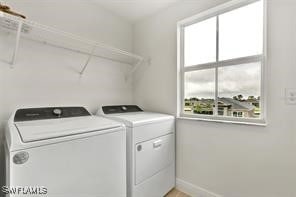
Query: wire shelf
(33, 31)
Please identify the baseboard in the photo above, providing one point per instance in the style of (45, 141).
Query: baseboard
(194, 190)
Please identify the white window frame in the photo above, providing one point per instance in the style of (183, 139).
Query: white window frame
(181, 69)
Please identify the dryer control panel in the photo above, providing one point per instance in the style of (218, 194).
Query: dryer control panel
(29, 114)
(114, 109)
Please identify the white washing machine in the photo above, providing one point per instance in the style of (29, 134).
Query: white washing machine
(150, 149)
(65, 152)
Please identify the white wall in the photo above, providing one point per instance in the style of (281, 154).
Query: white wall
(230, 160)
(45, 75)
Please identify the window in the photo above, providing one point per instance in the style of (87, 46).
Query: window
(237, 114)
(221, 63)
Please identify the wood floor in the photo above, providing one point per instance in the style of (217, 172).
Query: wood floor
(176, 193)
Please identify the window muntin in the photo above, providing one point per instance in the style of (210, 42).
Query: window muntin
(237, 70)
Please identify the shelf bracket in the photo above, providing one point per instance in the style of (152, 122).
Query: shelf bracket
(17, 42)
(88, 60)
(130, 74)
(136, 66)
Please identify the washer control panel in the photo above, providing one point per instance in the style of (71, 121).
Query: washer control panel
(29, 114)
(121, 109)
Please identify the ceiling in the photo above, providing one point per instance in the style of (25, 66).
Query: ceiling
(135, 10)
(131, 10)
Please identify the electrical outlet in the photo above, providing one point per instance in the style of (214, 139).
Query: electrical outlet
(291, 96)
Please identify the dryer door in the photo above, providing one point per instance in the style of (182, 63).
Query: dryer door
(153, 156)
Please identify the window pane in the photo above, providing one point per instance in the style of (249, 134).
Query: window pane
(239, 90)
(241, 32)
(200, 42)
(199, 92)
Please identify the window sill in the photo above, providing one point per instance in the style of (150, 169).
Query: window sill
(226, 120)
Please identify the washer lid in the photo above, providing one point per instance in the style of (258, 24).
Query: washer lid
(31, 131)
(140, 118)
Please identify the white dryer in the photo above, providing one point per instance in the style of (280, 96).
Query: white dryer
(65, 152)
(150, 149)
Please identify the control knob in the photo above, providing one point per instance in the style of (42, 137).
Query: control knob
(57, 112)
